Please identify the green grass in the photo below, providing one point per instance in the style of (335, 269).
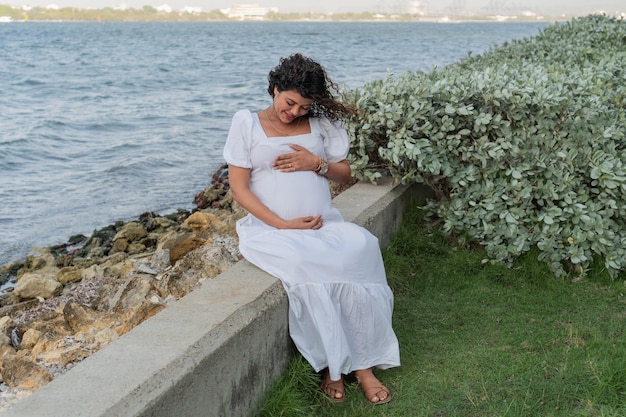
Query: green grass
(481, 339)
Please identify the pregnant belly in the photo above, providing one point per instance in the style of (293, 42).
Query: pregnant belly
(294, 194)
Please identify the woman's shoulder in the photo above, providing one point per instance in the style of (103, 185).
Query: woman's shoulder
(243, 114)
(244, 119)
(326, 125)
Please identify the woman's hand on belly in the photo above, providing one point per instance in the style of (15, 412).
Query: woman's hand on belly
(299, 160)
(306, 222)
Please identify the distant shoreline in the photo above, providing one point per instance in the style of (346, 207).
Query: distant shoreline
(148, 13)
(451, 22)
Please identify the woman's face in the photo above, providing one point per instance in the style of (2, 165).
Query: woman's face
(289, 105)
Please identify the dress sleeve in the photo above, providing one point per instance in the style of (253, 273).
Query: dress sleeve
(239, 140)
(336, 144)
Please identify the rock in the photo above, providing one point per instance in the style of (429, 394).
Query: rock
(6, 351)
(34, 263)
(125, 268)
(138, 289)
(6, 323)
(105, 336)
(217, 255)
(199, 222)
(225, 224)
(44, 344)
(166, 240)
(183, 245)
(69, 274)
(96, 253)
(64, 355)
(33, 285)
(131, 231)
(12, 310)
(108, 294)
(130, 304)
(160, 260)
(113, 259)
(127, 294)
(144, 268)
(158, 224)
(5, 340)
(37, 279)
(20, 373)
(119, 245)
(91, 260)
(136, 247)
(208, 197)
(219, 186)
(64, 260)
(51, 324)
(131, 318)
(9, 270)
(205, 262)
(79, 317)
(30, 339)
(111, 266)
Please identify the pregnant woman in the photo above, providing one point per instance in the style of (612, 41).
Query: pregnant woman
(280, 159)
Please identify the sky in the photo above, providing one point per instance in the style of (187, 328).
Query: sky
(548, 7)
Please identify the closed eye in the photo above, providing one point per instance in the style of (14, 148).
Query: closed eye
(293, 103)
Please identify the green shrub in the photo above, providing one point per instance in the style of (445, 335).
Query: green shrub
(524, 144)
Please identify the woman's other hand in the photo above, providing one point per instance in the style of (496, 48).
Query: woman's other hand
(307, 222)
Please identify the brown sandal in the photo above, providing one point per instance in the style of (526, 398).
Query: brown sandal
(332, 388)
(375, 390)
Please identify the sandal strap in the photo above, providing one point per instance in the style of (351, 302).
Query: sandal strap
(382, 388)
(336, 385)
(375, 390)
(332, 388)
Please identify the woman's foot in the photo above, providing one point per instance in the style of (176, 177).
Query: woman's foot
(374, 390)
(334, 390)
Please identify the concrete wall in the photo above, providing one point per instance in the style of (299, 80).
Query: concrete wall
(212, 353)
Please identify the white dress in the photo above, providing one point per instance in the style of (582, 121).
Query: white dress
(340, 305)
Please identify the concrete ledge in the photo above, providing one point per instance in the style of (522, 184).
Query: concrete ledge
(214, 352)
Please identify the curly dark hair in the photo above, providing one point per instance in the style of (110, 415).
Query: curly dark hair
(310, 80)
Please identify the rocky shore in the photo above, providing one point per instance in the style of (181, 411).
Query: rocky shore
(71, 300)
